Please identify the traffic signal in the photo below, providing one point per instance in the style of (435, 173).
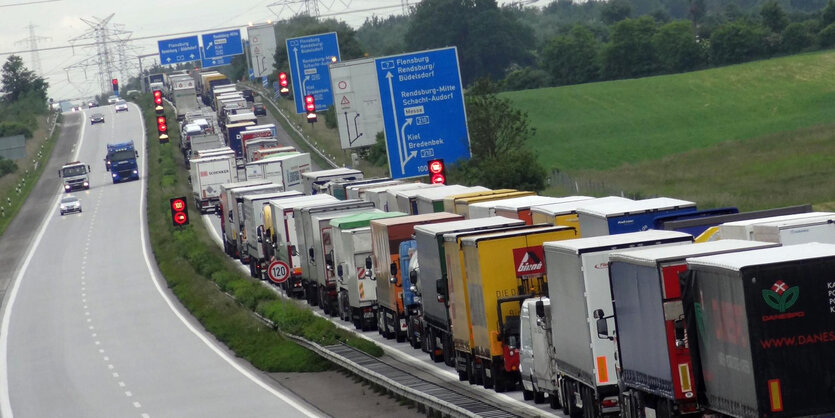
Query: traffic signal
(115, 83)
(179, 211)
(283, 84)
(310, 107)
(162, 129)
(437, 172)
(158, 107)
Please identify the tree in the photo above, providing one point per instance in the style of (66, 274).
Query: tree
(19, 82)
(676, 47)
(629, 52)
(615, 10)
(697, 11)
(828, 15)
(736, 42)
(773, 16)
(826, 37)
(498, 140)
(574, 58)
(796, 37)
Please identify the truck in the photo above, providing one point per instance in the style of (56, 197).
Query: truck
(797, 231)
(449, 201)
(433, 323)
(316, 237)
(261, 153)
(745, 229)
(379, 195)
(520, 207)
(462, 206)
(184, 94)
(227, 211)
(386, 235)
(121, 161)
(75, 175)
(314, 182)
(234, 231)
(763, 325)
(410, 268)
(391, 195)
(252, 230)
(536, 370)
(432, 200)
(656, 371)
(252, 140)
(233, 137)
(286, 169)
(578, 288)
(357, 292)
(638, 215)
(566, 213)
(285, 241)
(338, 188)
(407, 199)
(503, 269)
(356, 189)
(488, 208)
(207, 175)
(704, 228)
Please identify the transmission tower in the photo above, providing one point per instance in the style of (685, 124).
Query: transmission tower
(111, 50)
(312, 8)
(32, 43)
(405, 5)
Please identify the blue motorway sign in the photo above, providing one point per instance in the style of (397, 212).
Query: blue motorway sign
(173, 51)
(423, 110)
(309, 58)
(215, 62)
(221, 44)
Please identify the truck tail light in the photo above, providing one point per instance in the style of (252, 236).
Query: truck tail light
(609, 403)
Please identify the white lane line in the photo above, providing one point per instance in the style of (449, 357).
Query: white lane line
(156, 281)
(5, 401)
(137, 405)
(116, 375)
(145, 416)
(128, 394)
(111, 367)
(105, 358)
(121, 384)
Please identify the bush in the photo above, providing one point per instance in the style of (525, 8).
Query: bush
(826, 37)
(737, 42)
(7, 166)
(15, 128)
(796, 38)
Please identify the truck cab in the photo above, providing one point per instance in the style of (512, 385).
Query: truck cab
(76, 176)
(121, 161)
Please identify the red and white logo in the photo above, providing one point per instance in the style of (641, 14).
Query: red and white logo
(529, 261)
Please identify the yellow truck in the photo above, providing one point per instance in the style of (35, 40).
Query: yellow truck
(503, 269)
(449, 201)
(462, 206)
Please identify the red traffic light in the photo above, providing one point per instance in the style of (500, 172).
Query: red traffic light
(309, 103)
(115, 82)
(158, 97)
(437, 172)
(282, 79)
(179, 211)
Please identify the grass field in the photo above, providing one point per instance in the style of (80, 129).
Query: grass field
(604, 125)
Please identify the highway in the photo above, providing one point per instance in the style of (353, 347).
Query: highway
(91, 330)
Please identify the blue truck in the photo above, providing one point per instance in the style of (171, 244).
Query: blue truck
(121, 161)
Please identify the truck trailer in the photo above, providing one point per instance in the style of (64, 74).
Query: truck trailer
(285, 169)
(227, 213)
(566, 213)
(252, 231)
(314, 182)
(520, 207)
(638, 215)
(432, 200)
(207, 175)
(798, 231)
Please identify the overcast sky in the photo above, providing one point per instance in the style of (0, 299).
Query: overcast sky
(60, 21)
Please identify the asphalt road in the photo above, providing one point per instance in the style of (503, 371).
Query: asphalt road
(90, 330)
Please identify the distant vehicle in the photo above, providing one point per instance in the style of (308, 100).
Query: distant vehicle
(75, 175)
(69, 204)
(121, 106)
(248, 95)
(96, 118)
(259, 109)
(92, 105)
(112, 99)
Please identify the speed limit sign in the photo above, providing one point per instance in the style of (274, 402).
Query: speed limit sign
(278, 272)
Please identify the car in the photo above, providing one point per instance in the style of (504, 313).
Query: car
(96, 118)
(248, 96)
(121, 106)
(112, 99)
(69, 203)
(259, 109)
(92, 105)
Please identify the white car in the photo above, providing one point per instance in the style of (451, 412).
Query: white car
(69, 203)
(121, 106)
(112, 99)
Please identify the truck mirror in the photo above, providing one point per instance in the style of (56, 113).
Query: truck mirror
(678, 326)
(368, 264)
(88, 169)
(292, 251)
(310, 253)
(413, 276)
(136, 154)
(440, 288)
(540, 309)
(329, 258)
(393, 269)
(602, 328)
(258, 233)
(339, 270)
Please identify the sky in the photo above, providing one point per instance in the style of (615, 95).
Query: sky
(58, 23)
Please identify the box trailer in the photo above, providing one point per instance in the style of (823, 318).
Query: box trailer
(744, 229)
(357, 292)
(449, 201)
(378, 196)
(462, 206)
(488, 208)
(704, 228)
(406, 200)
(656, 372)
(578, 286)
(798, 231)
(314, 182)
(764, 321)
(638, 215)
(338, 187)
(566, 213)
(252, 230)
(387, 234)
(521, 207)
(357, 188)
(207, 175)
(285, 169)
(432, 200)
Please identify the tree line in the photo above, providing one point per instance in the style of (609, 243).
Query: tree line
(23, 100)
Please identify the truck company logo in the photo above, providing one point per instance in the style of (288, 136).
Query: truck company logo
(781, 297)
(601, 266)
(212, 173)
(529, 261)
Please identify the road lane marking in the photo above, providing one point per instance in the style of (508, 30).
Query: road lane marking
(128, 394)
(137, 405)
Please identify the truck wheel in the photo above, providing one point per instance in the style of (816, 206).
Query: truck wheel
(553, 400)
(486, 381)
(499, 378)
(471, 372)
(538, 397)
(448, 357)
(589, 403)
(322, 303)
(251, 268)
(527, 394)
(662, 409)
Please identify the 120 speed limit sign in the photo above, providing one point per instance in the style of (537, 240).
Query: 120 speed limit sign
(278, 272)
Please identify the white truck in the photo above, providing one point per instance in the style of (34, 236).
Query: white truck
(316, 243)
(228, 210)
(357, 292)
(578, 287)
(285, 241)
(76, 176)
(184, 95)
(252, 218)
(207, 175)
(744, 229)
(285, 169)
(797, 231)
(314, 182)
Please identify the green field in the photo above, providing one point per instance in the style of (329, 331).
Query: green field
(600, 126)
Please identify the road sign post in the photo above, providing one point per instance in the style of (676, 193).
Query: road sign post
(278, 272)
(423, 110)
(177, 50)
(309, 57)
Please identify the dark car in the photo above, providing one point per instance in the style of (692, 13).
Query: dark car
(96, 118)
(259, 109)
(92, 105)
(248, 95)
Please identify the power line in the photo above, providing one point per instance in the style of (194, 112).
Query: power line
(28, 3)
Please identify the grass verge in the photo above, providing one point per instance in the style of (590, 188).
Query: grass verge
(13, 196)
(212, 288)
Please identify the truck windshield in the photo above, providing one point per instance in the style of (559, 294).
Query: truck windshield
(76, 170)
(122, 155)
